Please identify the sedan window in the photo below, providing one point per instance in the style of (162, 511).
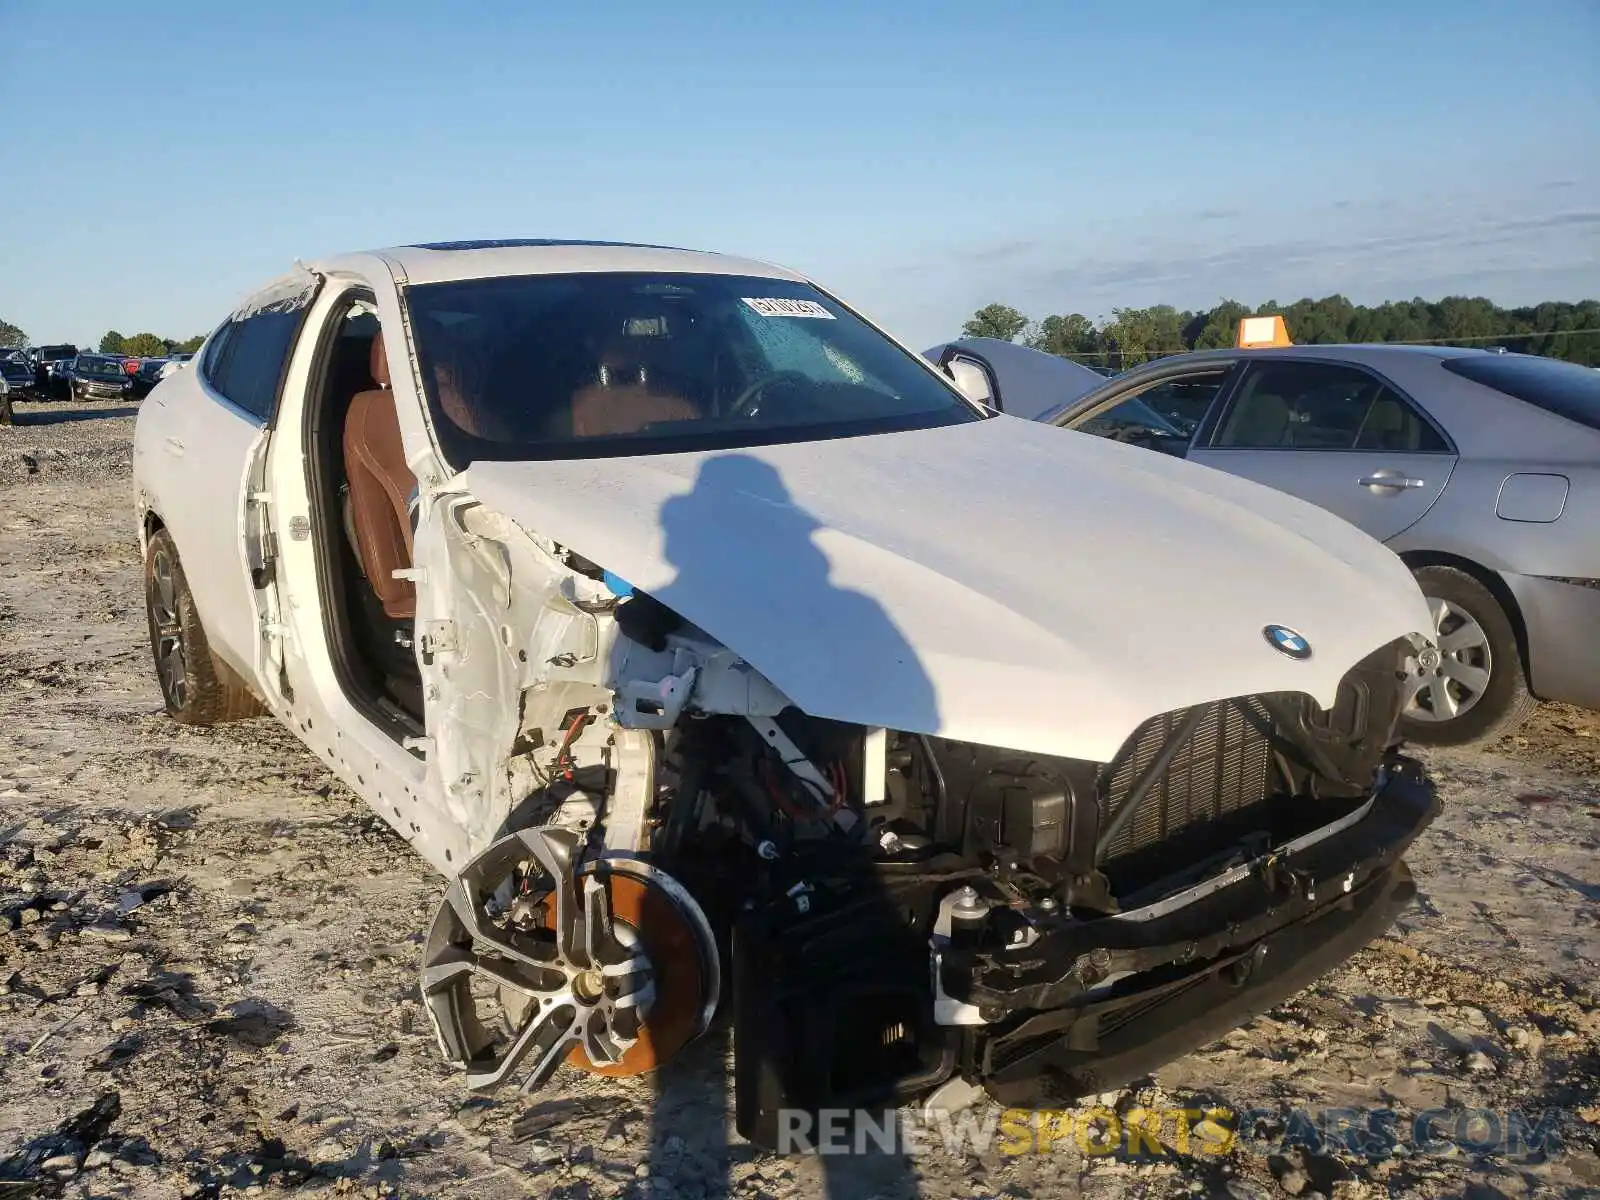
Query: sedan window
(1322, 406)
(1183, 402)
(246, 359)
(1563, 388)
(1116, 422)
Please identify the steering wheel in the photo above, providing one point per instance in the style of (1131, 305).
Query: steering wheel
(755, 391)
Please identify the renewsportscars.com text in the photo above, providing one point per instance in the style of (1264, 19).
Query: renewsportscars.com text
(1155, 1133)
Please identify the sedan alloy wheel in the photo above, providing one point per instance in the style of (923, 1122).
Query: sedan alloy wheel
(1470, 685)
(1449, 681)
(166, 629)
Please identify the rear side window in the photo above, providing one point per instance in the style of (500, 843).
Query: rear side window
(1563, 388)
(245, 360)
(1323, 406)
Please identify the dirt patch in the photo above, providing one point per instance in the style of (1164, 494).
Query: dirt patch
(82, 440)
(1559, 735)
(207, 951)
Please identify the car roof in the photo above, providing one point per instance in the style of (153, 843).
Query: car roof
(1368, 352)
(1481, 420)
(1381, 357)
(438, 262)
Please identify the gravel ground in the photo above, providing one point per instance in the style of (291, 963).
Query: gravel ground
(207, 950)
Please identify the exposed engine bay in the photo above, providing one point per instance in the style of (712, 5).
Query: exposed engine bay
(877, 911)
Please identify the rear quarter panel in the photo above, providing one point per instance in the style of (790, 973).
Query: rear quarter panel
(150, 486)
(1464, 522)
(1498, 436)
(197, 495)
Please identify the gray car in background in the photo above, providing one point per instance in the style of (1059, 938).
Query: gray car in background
(1482, 471)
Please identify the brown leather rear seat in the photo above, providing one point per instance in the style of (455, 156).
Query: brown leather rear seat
(381, 486)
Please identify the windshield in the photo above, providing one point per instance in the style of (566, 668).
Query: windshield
(103, 367)
(1133, 413)
(606, 364)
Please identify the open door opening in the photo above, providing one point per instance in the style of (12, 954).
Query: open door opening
(361, 537)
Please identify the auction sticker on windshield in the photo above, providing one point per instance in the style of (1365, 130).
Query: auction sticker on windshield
(774, 306)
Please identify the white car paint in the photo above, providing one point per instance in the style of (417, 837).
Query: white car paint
(996, 581)
(416, 264)
(200, 456)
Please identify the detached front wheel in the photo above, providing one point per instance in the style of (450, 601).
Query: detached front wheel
(197, 689)
(1474, 688)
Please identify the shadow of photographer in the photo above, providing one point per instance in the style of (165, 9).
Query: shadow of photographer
(824, 990)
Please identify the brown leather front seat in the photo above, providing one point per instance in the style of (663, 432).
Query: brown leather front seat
(381, 485)
(623, 399)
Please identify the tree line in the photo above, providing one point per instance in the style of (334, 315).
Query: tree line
(1130, 336)
(147, 345)
(140, 345)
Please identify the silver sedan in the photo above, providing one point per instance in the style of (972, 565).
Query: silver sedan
(1481, 470)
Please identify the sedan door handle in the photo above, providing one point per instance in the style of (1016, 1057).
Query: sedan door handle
(1387, 480)
(175, 447)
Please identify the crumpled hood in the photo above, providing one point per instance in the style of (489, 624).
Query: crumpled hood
(1001, 582)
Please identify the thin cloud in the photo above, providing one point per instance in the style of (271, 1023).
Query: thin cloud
(938, 262)
(1437, 247)
(999, 251)
(1550, 255)
(1217, 214)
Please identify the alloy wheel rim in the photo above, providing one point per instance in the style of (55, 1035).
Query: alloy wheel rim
(1446, 685)
(587, 986)
(167, 631)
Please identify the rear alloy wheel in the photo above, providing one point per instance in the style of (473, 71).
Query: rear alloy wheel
(196, 688)
(1473, 687)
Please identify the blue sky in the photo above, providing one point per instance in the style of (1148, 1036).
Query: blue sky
(921, 159)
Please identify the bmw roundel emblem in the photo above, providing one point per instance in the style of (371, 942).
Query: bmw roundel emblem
(1286, 641)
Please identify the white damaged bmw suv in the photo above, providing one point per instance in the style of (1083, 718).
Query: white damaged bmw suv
(721, 656)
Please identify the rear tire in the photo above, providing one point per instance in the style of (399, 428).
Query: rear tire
(196, 688)
(1478, 690)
